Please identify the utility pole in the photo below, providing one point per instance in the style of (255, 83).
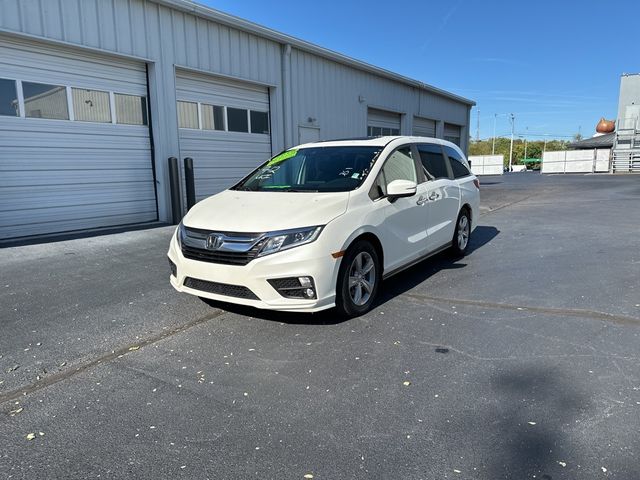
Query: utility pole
(478, 128)
(525, 141)
(512, 118)
(493, 148)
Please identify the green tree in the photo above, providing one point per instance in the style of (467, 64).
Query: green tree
(534, 148)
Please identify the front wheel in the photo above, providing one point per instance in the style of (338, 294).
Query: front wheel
(460, 242)
(358, 280)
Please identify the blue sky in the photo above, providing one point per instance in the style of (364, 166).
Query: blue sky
(555, 65)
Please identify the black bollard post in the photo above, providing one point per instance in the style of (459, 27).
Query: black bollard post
(190, 182)
(174, 185)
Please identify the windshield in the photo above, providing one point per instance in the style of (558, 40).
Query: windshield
(316, 169)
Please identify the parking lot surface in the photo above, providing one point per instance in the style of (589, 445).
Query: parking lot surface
(521, 360)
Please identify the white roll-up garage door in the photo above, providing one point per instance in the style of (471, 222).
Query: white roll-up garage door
(452, 133)
(74, 142)
(224, 127)
(424, 127)
(381, 123)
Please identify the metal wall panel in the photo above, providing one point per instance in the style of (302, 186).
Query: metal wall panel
(221, 158)
(62, 175)
(336, 98)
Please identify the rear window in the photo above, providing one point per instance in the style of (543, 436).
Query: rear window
(433, 161)
(457, 163)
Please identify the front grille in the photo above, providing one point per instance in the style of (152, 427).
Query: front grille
(224, 257)
(225, 289)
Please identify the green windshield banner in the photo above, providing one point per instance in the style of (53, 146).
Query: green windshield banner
(282, 157)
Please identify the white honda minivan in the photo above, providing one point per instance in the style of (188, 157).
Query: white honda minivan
(322, 224)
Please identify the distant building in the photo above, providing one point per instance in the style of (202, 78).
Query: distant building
(604, 141)
(626, 148)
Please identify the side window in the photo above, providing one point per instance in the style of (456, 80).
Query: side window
(457, 163)
(399, 166)
(433, 161)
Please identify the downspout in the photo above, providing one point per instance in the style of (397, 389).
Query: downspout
(286, 95)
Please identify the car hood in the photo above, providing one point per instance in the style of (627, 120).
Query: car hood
(238, 211)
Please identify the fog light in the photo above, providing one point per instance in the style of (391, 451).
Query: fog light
(309, 293)
(305, 282)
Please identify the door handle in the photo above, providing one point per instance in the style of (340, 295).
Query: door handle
(422, 200)
(434, 196)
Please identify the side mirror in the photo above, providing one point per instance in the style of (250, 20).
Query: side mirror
(401, 188)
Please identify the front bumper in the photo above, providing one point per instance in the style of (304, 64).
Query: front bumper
(299, 261)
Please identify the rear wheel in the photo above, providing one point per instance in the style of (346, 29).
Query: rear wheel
(358, 280)
(462, 234)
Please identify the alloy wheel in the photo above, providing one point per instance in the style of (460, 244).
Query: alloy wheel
(463, 232)
(362, 278)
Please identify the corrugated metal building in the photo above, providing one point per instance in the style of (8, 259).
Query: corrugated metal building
(95, 95)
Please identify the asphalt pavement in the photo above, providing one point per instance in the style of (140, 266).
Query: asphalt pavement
(518, 361)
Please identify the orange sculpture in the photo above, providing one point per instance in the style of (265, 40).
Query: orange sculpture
(605, 126)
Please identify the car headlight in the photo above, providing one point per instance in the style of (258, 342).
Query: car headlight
(179, 234)
(285, 239)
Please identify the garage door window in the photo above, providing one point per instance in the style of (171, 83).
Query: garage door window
(382, 131)
(131, 109)
(188, 115)
(42, 100)
(237, 120)
(91, 105)
(8, 98)
(212, 117)
(259, 122)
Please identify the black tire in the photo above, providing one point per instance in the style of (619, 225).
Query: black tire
(346, 306)
(460, 243)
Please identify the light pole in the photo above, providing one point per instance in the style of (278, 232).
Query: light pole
(525, 141)
(495, 116)
(512, 118)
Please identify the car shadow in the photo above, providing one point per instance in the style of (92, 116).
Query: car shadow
(391, 288)
(420, 272)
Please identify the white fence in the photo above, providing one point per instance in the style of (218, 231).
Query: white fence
(487, 164)
(576, 161)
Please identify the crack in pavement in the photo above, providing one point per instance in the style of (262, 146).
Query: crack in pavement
(571, 312)
(70, 372)
(526, 357)
(500, 207)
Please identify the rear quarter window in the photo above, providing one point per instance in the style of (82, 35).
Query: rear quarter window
(458, 165)
(433, 161)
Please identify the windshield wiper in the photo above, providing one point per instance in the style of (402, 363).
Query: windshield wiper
(299, 190)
